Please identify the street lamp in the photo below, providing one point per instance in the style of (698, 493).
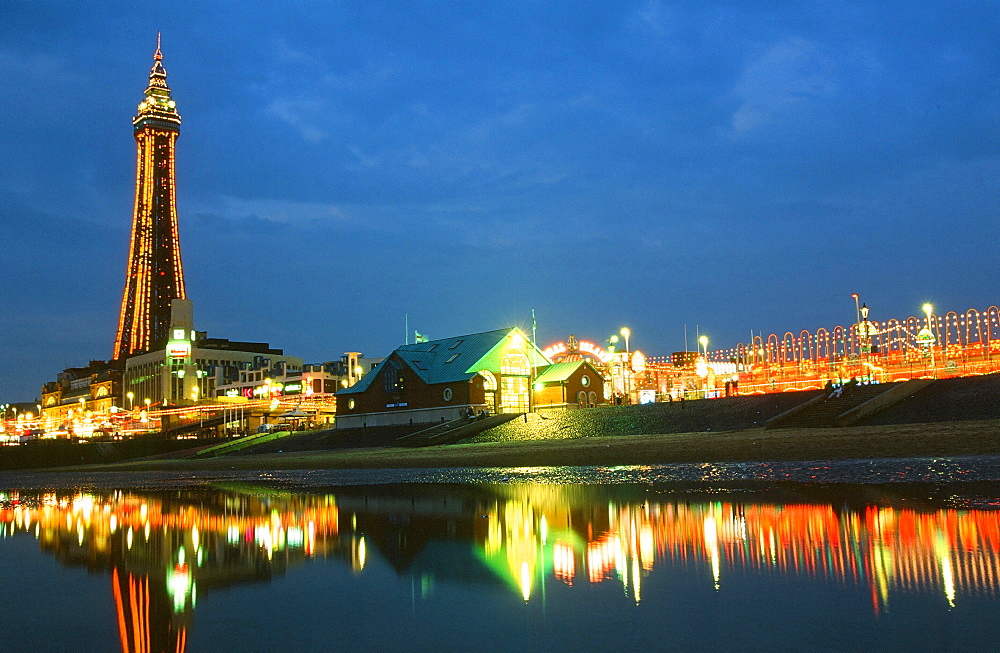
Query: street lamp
(704, 344)
(930, 343)
(612, 341)
(130, 395)
(628, 365)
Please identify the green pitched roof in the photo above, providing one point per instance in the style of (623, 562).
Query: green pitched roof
(452, 359)
(558, 372)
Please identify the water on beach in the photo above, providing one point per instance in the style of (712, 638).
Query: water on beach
(808, 556)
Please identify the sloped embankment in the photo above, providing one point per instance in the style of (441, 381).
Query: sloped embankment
(947, 400)
(727, 414)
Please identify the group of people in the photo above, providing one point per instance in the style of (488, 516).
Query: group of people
(470, 413)
(838, 391)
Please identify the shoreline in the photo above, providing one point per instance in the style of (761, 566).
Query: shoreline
(939, 439)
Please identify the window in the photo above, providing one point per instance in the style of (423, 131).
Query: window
(489, 380)
(392, 378)
(452, 357)
(585, 380)
(447, 394)
(515, 363)
(455, 344)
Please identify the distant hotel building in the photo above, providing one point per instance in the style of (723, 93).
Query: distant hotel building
(183, 371)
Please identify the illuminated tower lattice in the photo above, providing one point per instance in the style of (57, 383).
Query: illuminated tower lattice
(154, 275)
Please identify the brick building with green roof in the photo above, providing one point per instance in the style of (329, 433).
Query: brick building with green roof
(445, 379)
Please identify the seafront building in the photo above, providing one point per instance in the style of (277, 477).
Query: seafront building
(267, 378)
(442, 380)
(498, 371)
(183, 371)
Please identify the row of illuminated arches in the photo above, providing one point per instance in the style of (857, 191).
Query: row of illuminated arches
(960, 333)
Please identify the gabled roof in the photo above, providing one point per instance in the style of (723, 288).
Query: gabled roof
(452, 359)
(559, 371)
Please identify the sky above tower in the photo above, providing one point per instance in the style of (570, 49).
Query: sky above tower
(343, 165)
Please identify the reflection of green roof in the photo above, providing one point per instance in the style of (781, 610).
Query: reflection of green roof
(558, 372)
(452, 359)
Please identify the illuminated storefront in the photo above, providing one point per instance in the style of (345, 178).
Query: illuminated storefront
(445, 379)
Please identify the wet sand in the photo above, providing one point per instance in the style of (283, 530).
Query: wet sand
(942, 439)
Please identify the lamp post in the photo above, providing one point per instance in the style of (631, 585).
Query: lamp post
(612, 341)
(703, 340)
(627, 368)
(865, 345)
(930, 344)
(130, 396)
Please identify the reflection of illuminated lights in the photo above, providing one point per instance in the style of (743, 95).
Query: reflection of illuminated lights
(947, 575)
(563, 562)
(636, 589)
(294, 537)
(262, 536)
(179, 585)
(886, 550)
(525, 581)
(712, 546)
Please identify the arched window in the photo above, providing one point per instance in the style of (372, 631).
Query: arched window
(489, 380)
(515, 363)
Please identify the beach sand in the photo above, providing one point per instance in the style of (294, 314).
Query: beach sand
(942, 439)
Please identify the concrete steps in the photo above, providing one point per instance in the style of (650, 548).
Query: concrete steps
(453, 431)
(847, 407)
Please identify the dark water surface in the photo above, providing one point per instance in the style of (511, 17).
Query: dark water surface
(860, 555)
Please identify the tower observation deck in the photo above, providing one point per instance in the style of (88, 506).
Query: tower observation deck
(154, 275)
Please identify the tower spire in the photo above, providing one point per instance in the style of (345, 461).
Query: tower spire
(155, 276)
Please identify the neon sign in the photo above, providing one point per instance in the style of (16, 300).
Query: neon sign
(583, 347)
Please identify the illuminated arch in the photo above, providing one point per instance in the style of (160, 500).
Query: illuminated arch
(515, 363)
(489, 380)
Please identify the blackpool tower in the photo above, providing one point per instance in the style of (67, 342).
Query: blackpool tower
(154, 276)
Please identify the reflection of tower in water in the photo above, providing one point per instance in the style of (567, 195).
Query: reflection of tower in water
(162, 549)
(145, 621)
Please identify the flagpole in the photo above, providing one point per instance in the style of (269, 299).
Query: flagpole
(406, 328)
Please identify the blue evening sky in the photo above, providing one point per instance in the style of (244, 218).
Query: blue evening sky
(739, 166)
